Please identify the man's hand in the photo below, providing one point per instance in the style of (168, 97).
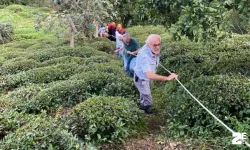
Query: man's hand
(116, 51)
(172, 76)
(128, 52)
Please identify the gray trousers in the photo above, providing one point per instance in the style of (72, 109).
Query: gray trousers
(144, 87)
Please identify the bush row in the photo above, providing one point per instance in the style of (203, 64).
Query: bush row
(194, 64)
(40, 75)
(225, 96)
(43, 132)
(98, 119)
(102, 119)
(71, 92)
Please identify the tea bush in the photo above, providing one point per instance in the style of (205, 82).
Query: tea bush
(192, 64)
(64, 60)
(40, 75)
(12, 120)
(41, 133)
(103, 118)
(6, 104)
(48, 54)
(69, 92)
(6, 33)
(18, 64)
(105, 46)
(225, 96)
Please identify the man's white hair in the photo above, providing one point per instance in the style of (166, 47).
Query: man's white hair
(150, 37)
(126, 36)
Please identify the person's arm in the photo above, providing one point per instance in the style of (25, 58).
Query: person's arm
(119, 49)
(135, 52)
(154, 76)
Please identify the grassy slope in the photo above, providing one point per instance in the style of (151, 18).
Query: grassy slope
(151, 135)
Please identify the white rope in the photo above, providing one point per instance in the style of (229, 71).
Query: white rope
(223, 124)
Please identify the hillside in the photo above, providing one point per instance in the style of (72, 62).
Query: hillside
(56, 97)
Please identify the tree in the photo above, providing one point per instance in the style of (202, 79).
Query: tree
(82, 14)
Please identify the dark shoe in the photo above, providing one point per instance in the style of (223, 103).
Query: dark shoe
(144, 107)
(148, 111)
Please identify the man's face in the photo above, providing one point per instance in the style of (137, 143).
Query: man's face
(155, 45)
(126, 40)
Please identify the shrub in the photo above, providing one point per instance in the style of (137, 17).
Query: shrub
(40, 75)
(113, 68)
(225, 96)
(64, 60)
(14, 54)
(104, 46)
(83, 52)
(67, 92)
(16, 65)
(26, 93)
(6, 33)
(97, 59)
(103, 118)
(6, 104)
(71, 92)
(191, 65)
(120, 86)
(41, 133)
(12, 120)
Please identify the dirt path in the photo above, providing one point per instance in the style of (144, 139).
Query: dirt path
(150, 139)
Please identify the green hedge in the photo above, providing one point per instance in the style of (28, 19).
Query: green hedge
(40, 75)
(103, 119)
(113, 68)
(12, 120)
(41, 133)
(5, 103)
(16, 65)
(105, 46)
(6, 33)
(71, 92)
(64, 60)
(225, 96)
(194, 64)
(51, 53)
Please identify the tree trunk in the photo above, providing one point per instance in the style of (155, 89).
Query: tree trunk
(71, 38)
(72, 31)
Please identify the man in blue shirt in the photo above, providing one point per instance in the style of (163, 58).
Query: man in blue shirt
(145, 70)
(131, 48)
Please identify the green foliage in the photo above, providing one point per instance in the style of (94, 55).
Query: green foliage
(10, 121)
(16, 65)
(107, 47)
(142, 32)
(201, 20)
(64, 60)
(40, 75)
(6, 33)
(25, 2)
(6, 104)
(191, 60)
(69, 92)
(103, 118)
(41, 133)
(82, 13)
(225, 96)
(84, 52)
